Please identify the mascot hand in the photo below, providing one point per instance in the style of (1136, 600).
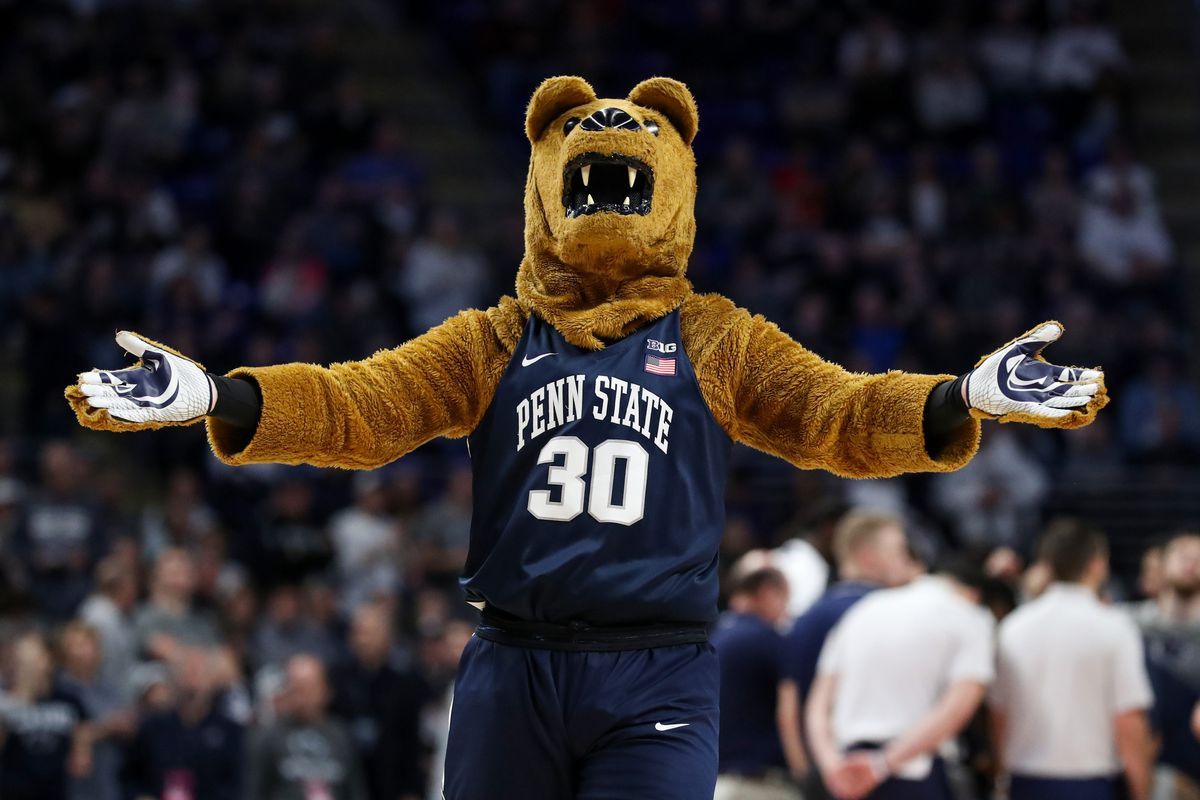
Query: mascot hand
(163, 388)
(1015, 384)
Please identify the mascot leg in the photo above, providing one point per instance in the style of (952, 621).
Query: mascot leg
(507, 740)
(661, 710)
(536, 724)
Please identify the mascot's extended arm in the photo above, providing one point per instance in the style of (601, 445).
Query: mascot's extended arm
(359, 414)
(771, 393)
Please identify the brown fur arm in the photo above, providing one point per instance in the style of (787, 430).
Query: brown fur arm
(364, 414)
(771, 393)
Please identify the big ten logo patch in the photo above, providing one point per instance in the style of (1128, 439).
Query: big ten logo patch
(661, 347)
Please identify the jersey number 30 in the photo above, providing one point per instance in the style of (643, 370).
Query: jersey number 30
(570, 478)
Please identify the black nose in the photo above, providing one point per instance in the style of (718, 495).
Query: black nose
(610, 118)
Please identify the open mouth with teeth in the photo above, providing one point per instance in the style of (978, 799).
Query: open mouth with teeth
(619, 184)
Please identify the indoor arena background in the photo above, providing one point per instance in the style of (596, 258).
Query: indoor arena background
(899, 185)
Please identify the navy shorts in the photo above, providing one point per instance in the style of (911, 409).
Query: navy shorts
(1025, 788)
(539, 724)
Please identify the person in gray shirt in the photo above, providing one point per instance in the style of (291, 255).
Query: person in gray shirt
(169, 619)
(109, 612)
(305, 755)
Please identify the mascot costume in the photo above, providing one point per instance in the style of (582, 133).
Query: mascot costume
(600, 406)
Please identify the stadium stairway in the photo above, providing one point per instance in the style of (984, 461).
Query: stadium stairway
(410, 79)
(1162, 40)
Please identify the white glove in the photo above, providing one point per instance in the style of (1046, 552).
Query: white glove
(1015, 383)
(164, 387)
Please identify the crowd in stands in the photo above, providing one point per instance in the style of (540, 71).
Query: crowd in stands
(899, 185)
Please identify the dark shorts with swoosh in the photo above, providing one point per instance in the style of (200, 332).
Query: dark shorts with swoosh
(552, 724)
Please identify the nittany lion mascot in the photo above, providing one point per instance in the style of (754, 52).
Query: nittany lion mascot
(600, 406)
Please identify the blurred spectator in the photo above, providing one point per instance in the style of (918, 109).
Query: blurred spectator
(1008, 49)
(1120, 172)
(1171, 627)
(949, 98)
(442, 275)
(168, 619)
(1077, 53)
(288, 629)
(989, 204)
(187, 749)
(45, 736)
(749, 649)
(190, 263)
(385, 164)
(926, 196)
(293, 543)
(805, 558)
(109, 613)
(1150, 577)
(306, 755)
(185, 520)
(1054, 202)
(60, 536)
(1071, 693)
(870, 551)
(441, 534)
(294, 285)
(994, 500)
(872, 59)
(1160, 418)
(738, 202)
(1121, 243)
(367, 539)
(105, 705)
(381, 701)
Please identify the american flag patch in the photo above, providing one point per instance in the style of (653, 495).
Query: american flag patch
(659, 366)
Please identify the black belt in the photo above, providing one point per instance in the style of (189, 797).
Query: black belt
(577, 635)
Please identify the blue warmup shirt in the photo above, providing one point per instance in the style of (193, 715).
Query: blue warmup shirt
(1174, 698)
(751, 656)
(802, 646)
(599, 481)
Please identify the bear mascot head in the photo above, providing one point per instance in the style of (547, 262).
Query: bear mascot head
(609, 206)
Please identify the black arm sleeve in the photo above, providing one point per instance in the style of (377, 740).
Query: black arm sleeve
(945, 411)
(239, 402)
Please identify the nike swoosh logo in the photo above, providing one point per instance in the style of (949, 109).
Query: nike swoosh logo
(658, 726)
(1013, 380)
(526, 361)
(1024, 389)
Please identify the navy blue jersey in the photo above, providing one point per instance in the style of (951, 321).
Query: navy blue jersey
(751, 656)
(802, 645)
(599, 480)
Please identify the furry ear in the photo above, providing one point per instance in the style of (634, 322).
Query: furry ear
(673, 99)
(552, 98)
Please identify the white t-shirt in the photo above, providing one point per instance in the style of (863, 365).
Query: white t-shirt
(1066, 666)
(896, 652)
